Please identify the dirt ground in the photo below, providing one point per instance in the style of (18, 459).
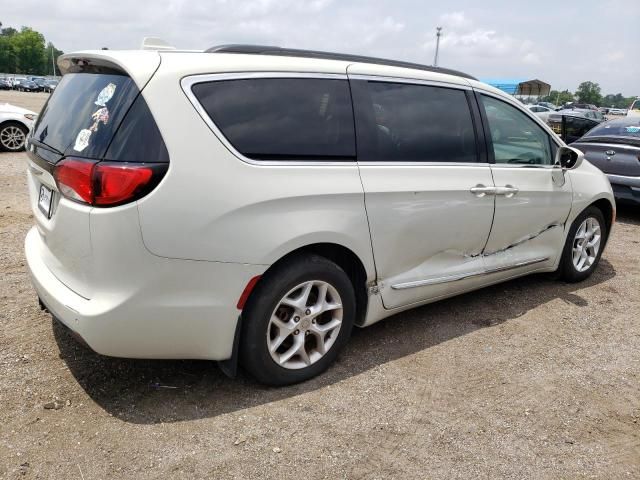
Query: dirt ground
(528, 379)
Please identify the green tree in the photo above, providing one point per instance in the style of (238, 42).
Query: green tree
(559, 98)
(617, 101)
(25, 52)
(589, 92)
(30, 49)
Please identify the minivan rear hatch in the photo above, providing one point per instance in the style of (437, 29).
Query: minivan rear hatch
(80, 121)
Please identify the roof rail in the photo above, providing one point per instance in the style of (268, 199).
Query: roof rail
(294, 52)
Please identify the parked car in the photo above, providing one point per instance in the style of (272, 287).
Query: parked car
(254, 203)
(634, 109)
(614, 147)
(548, 105)
(15, 124)
(617, 111)
(27, 86)
(573, 124)
(40, 82)
(16, 81)
(541, 112)
(50, 85)
(5, 84)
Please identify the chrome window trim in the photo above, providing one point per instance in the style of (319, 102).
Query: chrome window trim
(462, 276)
(186, 83)
(411, 81)
(422, 164)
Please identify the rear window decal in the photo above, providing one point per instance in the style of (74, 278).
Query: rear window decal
(105, 94)
(82, 140)
(99, 116)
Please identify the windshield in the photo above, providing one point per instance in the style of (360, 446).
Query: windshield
(616, 129)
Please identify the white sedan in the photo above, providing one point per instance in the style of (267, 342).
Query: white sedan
(15, 125)
(540, 111)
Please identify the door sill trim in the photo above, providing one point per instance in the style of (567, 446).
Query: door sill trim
(462, 276)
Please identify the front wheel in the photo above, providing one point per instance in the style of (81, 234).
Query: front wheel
(297, 320)
(584, 245)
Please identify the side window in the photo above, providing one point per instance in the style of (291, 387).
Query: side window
(283, 118)
(516, 138)
(412, 123)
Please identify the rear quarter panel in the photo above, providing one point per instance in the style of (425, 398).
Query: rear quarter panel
(213, 206)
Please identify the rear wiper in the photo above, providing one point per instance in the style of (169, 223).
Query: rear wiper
(44, 146)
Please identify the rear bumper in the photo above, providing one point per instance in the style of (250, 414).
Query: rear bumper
(625, 188)
(159, 308)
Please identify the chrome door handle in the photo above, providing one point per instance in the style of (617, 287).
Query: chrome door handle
(482, 190)
(508, 191)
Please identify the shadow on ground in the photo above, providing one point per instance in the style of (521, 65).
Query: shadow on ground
(138, 391)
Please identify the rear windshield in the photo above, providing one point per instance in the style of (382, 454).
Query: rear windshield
(616, 129)
(84, 112)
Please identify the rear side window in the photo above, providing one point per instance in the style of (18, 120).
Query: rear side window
(84, 112)
(413, 123)
(283, 118)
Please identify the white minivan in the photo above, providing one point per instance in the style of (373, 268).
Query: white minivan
(252, 204)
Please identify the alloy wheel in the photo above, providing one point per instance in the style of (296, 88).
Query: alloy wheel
(305, 324)
(586, 244)
(12, 137)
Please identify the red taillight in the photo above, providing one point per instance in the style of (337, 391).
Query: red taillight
(74, 179)
(119, 183)
(106, 183)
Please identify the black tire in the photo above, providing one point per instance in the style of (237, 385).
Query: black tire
(5, 126)
(272, 288)
(567, 270)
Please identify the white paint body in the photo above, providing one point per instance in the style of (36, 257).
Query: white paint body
(160, 278)
(12, 113)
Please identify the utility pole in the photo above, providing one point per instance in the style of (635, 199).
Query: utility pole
(438, 33)
(53, 62)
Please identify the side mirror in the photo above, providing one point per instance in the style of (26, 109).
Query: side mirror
(569, 158)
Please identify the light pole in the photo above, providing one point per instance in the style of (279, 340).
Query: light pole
(53, 62)
(438, 33)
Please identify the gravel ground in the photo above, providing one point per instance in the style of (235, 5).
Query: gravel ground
(528, 379)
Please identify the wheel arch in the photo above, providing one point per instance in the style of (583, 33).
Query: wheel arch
(609, 211)
(14, 120)
(346, 259)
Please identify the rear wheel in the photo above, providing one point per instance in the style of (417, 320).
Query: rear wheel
(297, 320)
(13, 136)
(584, 245)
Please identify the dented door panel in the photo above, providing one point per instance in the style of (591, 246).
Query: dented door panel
(529, 224)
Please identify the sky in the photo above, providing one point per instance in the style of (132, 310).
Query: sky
(560, 42)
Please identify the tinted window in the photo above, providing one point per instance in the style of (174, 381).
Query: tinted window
(516, 138)
(138, 138)
(83, 113)
(283, 118)
(413, 123)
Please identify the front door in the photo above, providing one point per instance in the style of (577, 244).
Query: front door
(533, 198)
(424, 179)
